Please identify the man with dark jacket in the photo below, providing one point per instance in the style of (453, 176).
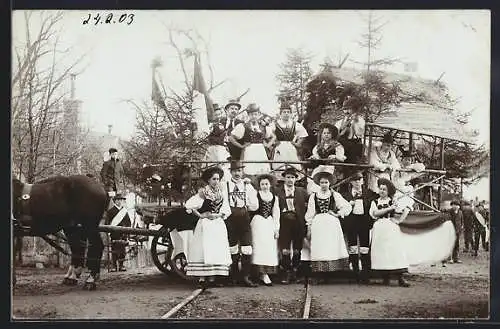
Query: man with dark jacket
(293, 203)
(118, 216)
(480, 229)
(468, 217)
(112, 175)
(458, 222)
(357, 225)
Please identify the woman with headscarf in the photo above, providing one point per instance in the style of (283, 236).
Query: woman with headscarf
(388, 250)
(208, 252)
(265, 226)
(328, 251)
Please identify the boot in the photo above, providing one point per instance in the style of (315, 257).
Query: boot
(366, 268)
(354, 260)
(287, 268)
(234, 269)
(246, 267)
(295, 266)
(402, 282)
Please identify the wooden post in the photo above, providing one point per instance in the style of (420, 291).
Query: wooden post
(370, 146)
(411, 143)
(441, 154)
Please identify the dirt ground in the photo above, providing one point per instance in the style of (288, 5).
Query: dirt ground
(454, 291)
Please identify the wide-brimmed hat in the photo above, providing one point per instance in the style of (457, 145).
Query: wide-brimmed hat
(233, 102)
(388, 138)
(391, 189)
(119, 196)
(112, 150)
(209, 172)
(236, 164)
(324, 172)
(356, 176)
(252, 108)
(156, 177)
(333, 130)
(290, 171)
(270, 178)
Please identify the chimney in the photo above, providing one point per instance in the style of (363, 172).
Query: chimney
(110, 127)
(73, 79)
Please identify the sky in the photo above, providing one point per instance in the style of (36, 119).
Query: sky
(246, 48)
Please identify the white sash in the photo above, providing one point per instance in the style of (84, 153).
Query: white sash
(119, 216)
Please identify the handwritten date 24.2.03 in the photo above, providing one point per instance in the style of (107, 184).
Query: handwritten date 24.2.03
(108, 19)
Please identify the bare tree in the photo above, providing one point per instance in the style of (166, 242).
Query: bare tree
(38, 91)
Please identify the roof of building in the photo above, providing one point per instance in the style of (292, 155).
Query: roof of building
(424, 119)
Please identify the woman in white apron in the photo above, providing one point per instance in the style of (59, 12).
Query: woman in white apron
(252, 137)
(265, 226)
(208, 252)
(328, 251)
(289, 135)
(388, 250)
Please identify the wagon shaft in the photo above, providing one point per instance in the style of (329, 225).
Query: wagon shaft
(128, 230)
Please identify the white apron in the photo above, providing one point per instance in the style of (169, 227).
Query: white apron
(264, 245)
(388, 250)
(327, 239)
(255, 152)
(285, 151)
(210, 238)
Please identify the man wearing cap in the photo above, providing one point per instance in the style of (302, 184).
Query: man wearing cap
(118, 216)
(383, 160)
(112, 174)
(357, 225)
(232, 109)
(293, 202)
(242, 198)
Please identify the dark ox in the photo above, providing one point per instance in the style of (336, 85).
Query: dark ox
(73, 204)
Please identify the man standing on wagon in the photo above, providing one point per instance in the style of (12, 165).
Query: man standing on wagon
(232, 108)
(112, 174)
(242, 198)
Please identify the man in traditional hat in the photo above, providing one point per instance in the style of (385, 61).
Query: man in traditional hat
(242, 198)
(384, 161)
(112, 174)
(232, 109)
(351, 131)
(217, 150)
(293, 203)
(357, 225)
(118, 216)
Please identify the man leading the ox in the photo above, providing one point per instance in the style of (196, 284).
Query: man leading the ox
(118, 216)
(242, 198)
(292, 201)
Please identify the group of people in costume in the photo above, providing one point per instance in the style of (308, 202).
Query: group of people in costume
(251, 227)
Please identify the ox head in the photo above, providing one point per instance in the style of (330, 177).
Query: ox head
(17, 190)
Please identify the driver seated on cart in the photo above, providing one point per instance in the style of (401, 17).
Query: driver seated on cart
(117, 215)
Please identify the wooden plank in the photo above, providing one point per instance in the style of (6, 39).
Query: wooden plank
(307, 304)
(186, 301)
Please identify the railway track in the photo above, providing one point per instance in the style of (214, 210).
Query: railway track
(305, 298)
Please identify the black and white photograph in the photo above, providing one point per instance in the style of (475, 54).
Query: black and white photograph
(250, 164)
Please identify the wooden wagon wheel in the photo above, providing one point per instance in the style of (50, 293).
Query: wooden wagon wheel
(163, 258)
